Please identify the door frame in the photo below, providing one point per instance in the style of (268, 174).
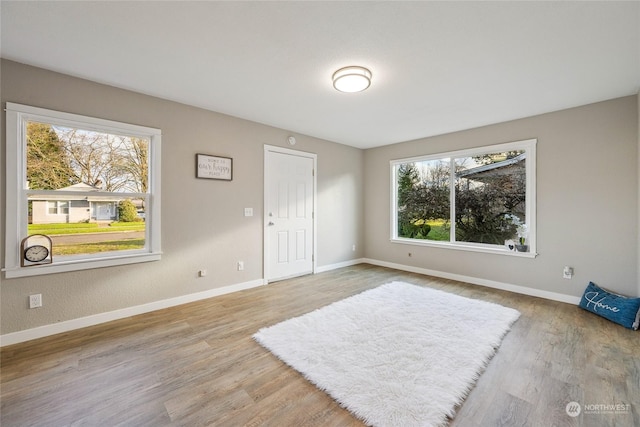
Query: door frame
(265, 208)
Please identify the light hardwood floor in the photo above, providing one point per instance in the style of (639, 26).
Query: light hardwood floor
(197, 364)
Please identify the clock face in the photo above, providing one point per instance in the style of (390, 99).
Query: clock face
(36, 253)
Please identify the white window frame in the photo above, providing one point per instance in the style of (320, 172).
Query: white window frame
(530, 210)
(17, 193)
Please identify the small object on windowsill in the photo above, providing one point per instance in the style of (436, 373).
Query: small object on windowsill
(36, 250)
(522, 248)
(510, 244)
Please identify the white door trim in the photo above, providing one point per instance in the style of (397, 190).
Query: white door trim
(265, 239)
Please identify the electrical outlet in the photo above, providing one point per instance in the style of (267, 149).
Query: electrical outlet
(35, 301)
(240, 265)
(353, 248)
(567, 272)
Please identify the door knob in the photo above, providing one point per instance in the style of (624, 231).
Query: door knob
(271, 223)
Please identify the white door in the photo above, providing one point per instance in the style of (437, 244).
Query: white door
(104, 211)
(289, 204)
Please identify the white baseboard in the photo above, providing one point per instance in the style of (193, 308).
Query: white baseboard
(335, 266)
(477, 281)
(83, 322)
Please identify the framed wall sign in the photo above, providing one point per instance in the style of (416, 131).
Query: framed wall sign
(214, 167)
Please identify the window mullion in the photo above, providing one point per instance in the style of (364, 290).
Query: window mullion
(452, 200)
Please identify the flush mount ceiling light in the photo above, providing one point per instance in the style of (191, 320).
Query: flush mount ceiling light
(351, 79)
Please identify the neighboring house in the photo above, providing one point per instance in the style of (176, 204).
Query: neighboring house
(68, 209)
(488, 173)
(509, 175)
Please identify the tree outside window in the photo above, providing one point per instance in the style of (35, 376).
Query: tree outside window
(481, 197)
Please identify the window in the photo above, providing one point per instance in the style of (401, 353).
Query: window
(55, 208)
(71, 175)
(481, 199)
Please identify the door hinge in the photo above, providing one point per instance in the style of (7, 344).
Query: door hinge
(313, 172)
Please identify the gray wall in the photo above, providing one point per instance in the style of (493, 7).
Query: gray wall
(203, 226)
(587, 201)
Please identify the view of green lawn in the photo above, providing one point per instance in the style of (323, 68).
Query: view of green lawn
(92, 248)
(439, 230)
(104, 245)
(83, 227)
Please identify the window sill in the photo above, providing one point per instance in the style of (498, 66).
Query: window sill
(469, 247)
(65, 266)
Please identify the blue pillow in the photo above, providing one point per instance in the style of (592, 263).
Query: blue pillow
(617, 308)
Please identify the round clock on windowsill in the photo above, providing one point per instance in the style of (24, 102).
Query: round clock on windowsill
(36, 250)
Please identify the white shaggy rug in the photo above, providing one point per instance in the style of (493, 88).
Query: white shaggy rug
(396, 355)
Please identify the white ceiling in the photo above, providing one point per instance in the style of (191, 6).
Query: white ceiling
(438, 67)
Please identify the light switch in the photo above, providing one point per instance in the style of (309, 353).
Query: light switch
(248, 211)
